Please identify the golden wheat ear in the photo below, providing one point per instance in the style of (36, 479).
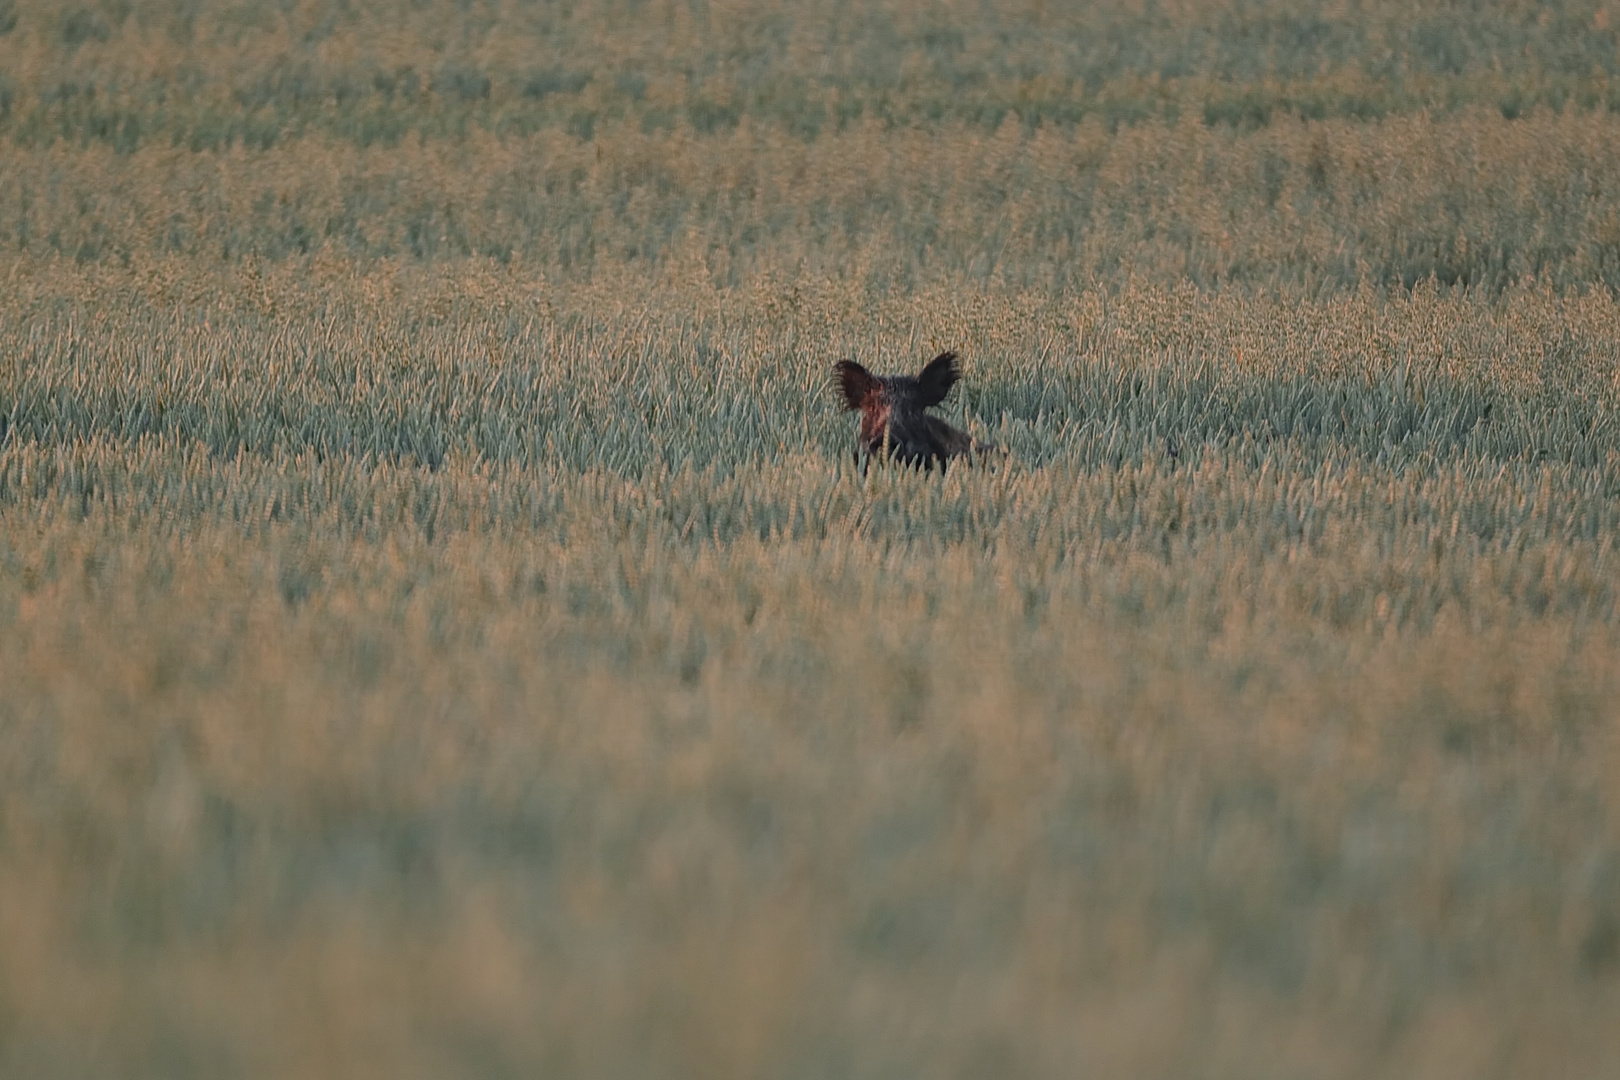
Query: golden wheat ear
(854, 383)
(936, 379)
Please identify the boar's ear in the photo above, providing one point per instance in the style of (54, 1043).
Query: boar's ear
(937, 378)
(854, 383)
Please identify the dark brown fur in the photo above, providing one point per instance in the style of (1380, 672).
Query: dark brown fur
(892, 412)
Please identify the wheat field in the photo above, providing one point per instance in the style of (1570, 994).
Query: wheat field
(443, 631)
